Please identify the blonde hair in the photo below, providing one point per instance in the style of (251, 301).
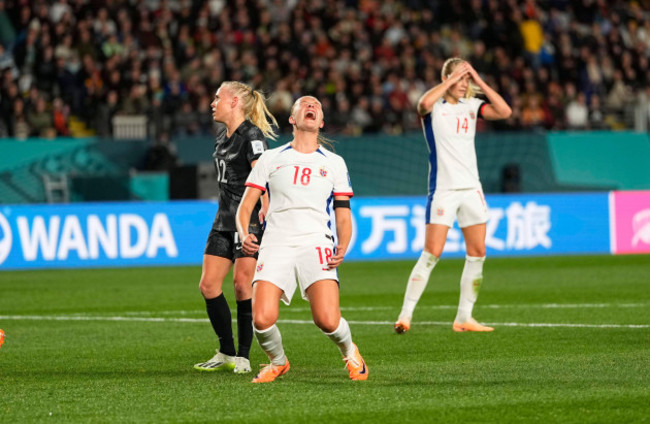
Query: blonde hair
(254, 105)
(321, 139)
(449, 66)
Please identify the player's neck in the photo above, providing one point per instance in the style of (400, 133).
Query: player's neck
(233, 124)
(450, 99)
(305, 142)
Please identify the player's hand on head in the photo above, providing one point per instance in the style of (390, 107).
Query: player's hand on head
(474, 74)
(250, 244)
(459, 72)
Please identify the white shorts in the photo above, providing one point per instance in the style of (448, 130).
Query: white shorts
(305, 264)
(468, 205)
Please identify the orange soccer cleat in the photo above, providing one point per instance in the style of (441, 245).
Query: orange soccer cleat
(2, 337)
(402, 326)
(356, 366)
(270, 372)
(471, 325)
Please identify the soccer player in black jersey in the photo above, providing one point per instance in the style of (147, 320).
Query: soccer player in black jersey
(241, 139)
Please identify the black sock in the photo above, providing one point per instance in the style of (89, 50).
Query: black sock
(244, 327)
(219, 314)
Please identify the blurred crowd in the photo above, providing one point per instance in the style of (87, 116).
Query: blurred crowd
(561, 64)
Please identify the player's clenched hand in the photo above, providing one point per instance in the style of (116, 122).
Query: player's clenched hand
(250, 244)
(337, 258)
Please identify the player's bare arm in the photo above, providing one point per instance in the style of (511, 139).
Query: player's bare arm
(428, 99)
(265, 201)
(343, 232)
(497, 108)
(250, 244)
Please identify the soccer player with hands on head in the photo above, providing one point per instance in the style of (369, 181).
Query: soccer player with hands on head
(241, 139)
(301, 178)
(449, 113)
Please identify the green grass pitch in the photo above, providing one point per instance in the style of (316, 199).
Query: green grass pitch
(571, 344)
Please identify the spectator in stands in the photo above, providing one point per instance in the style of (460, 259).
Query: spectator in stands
(136, 103)
(7, 30)
(8, 96)
(40, 120)
(20, 124)
(533, 115)
(360, 117)
(531, 31)
(60, 117)
(106, 110)
(577, 113)
(596, 114)
(7, 61)
(619, 92)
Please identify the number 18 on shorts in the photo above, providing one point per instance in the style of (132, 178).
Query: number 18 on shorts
(304, 263)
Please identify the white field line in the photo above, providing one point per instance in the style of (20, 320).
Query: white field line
(387, 308)
(296, 321)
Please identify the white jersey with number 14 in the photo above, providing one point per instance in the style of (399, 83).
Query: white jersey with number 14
(301, 187)
(449, 131)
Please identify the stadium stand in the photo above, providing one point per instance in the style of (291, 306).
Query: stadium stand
(69, 67)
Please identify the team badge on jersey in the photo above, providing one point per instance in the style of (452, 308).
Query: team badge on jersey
(258, 147)
(259, 267)
(440, 212)
(472, 115)
(323, 172)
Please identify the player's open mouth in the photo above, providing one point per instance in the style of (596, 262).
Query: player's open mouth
(310, 115)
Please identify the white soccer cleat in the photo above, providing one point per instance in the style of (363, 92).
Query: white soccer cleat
(219, 362)
(242, 365)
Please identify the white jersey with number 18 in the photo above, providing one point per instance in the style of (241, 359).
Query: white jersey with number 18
(449, 131)
(301, 187)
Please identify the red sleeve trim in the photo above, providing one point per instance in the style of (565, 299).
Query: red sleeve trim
(480, 110)
(256, 186)
(343, 194)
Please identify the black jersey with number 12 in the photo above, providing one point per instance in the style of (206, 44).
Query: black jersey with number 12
(232, 159)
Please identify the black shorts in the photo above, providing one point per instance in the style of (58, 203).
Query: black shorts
(226, 244)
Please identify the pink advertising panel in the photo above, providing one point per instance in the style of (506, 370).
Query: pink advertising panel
(630, 221)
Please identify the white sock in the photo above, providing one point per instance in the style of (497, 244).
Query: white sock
(417, 283)
(342, 337)
(270, 341)
(470, 284)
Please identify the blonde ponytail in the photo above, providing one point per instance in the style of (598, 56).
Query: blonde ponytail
(327, 142)
(254, 105)
(259, 115)
(449, 66)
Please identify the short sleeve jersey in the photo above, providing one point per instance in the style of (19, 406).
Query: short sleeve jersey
(232, 159)
(449, 131)
(301, 187)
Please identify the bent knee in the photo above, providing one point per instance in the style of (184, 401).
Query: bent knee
(327, 324)
(209, 288)
(262, 320)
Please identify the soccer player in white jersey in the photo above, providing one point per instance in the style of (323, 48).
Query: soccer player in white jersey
(302, 178)
(449, 113)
